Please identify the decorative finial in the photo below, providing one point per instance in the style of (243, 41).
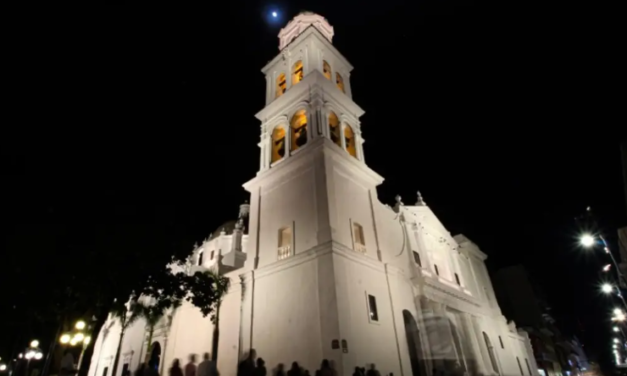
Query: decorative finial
(195, 245)
(420, 201)
(223, 231)
(239, 224)
(398, 200)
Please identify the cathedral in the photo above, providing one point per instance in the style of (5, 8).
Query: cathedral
(319, 267)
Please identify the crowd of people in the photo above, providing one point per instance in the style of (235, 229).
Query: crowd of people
(253, 366)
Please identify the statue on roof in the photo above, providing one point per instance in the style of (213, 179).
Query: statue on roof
(420, 201)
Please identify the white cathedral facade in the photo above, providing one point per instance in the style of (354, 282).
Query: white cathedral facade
(319, 267)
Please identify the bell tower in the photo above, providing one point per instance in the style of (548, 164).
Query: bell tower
(311, 207)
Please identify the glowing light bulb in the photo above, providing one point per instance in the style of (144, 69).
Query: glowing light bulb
(34, 343)
(275, 14)
(80, 325)
(607, 288)
(65, 339)
(587, 240)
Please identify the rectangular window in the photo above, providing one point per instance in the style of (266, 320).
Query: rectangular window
(437, 272)
(501, 341)
(200, 254)
(106, 370)
(372, 308)
(212, 254)
(457, 279)
(358, 236)
(417, 259)
(285, 243)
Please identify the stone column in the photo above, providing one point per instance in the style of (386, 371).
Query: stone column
(474, 345)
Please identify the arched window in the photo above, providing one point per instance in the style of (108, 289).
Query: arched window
(349, 138)
(334, 129)
(278, 144)
(488, 344)
(297, 72)
(281, 85)
(299, 130)
(339, 81)
(326, 69)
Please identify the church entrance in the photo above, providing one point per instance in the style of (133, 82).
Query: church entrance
(414, 345)
(155, 356)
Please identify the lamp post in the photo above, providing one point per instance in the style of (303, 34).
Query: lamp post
(32, 352)
(589, 241)
(75, 338)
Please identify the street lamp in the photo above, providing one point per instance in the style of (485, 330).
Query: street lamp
(32, 352)
(586, 240)
(77, 337)
(607, 289)
(3, 367)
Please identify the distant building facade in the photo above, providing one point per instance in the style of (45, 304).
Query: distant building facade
(321, 269)
(524, 302)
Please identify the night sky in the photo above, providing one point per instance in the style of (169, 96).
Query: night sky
(138, 118)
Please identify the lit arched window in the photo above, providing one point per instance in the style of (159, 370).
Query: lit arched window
(299, 130)
(334, 128)
(349, 138)
(339, 81)
(281, 85)
(278, 144)
(326, 69)
(297, 72)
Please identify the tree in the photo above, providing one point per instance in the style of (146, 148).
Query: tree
(207, 291)
(152, 313)
(126, 315)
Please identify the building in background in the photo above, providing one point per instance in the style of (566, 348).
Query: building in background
(319, 267)
(524, 302)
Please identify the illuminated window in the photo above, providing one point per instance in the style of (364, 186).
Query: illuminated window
(285, 243)
(334, 128)
(299, 130)
(278, 143)
(326, 69)
(281, 85)
(358, 236)
(339, 81)
(297, 72)
(349, 139)
(373, 313)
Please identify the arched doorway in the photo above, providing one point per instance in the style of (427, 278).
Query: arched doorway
(413, 344)
(460, 366)
(155, 356)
